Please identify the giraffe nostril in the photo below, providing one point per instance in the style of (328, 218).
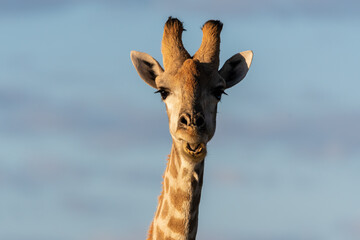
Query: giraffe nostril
(199, 121)
(184, 120)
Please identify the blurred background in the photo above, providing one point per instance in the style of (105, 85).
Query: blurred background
(84, 141)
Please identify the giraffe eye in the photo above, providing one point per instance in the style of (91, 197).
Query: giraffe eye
(164, 93)
(218, 92)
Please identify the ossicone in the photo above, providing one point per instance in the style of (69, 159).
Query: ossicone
(210, 46)
(172, 48)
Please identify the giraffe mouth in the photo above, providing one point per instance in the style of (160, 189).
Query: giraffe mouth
(196, 150)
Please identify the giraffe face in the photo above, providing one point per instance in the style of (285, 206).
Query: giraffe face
(191, 87)
(191, 95)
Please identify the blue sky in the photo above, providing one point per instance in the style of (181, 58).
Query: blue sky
(83, 140)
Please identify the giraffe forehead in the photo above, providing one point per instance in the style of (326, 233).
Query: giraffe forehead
(189, 72)
(192, 77)
(189, 76)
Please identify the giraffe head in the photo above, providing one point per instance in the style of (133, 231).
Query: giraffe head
(191, 87)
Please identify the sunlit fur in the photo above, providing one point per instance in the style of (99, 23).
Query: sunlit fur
(191, 90)
(172, 49)
(210, 45)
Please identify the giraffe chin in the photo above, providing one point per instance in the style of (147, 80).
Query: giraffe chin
(196, 152)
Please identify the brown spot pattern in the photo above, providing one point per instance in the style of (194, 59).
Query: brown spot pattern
(177, 225)
(178, 197)
(173, 169)
(159, 234)
(185, 172)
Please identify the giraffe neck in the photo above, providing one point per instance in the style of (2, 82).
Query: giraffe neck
(176, 216)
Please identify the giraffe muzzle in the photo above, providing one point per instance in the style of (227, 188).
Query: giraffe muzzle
(196, 151)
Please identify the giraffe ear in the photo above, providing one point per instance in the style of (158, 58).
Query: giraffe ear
(236, 68)
(146, 66)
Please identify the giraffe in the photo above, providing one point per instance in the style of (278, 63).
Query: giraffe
(190, 87)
